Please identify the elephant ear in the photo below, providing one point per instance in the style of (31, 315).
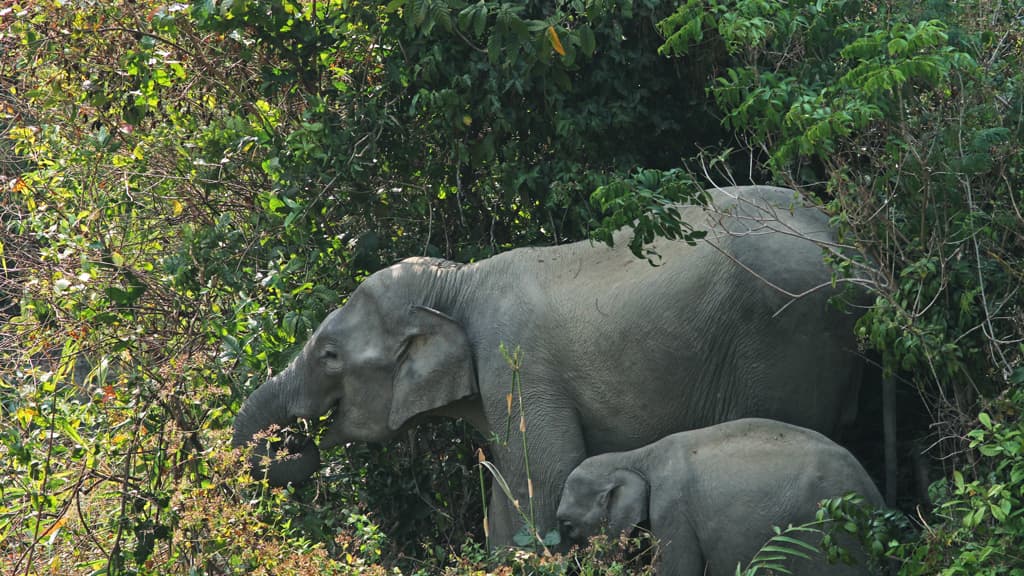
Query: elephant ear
(435, 367)
(627, 502)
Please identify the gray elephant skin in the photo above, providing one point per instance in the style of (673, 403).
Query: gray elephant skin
(711, 496)
(616, 353)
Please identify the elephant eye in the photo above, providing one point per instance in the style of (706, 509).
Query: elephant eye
(330, 360)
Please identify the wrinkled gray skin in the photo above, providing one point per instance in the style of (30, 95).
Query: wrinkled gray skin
(712, 495)
(617, 353)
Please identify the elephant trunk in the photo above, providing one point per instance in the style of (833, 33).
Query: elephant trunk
(267, 406)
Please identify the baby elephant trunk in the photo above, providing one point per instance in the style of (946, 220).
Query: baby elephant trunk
(281, 457)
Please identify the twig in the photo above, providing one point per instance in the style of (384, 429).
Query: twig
(139, 33)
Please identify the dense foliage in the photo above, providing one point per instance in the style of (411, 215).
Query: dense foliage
(187, 189)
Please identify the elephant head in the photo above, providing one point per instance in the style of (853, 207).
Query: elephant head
(595, 499)
(376, 364)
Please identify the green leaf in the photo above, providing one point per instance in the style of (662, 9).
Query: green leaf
(123, 297)
(958, 480)
(985, 420)
(523, 538)
(785, 551)
(897, 47)
(494, 49)
(796, 542)
(989, 450)
(587, 40)
(1017, 377)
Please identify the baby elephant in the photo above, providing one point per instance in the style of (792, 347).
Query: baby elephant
(712, 495)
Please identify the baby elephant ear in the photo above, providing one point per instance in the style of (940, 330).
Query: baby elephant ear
(627, 503)
(435, 367)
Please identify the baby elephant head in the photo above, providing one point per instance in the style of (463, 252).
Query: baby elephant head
(597, 498)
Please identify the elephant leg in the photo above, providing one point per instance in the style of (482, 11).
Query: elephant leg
(554, 448)
(500, 518)
(680, 561)
(682, 556)
(504, 519)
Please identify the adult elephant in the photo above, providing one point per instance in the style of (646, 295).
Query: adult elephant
(616, 353)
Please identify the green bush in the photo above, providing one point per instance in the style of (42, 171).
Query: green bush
(978, 525)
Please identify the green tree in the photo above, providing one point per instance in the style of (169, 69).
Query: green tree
(906, 121)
